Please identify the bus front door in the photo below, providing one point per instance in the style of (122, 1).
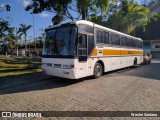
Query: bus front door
(82, 55)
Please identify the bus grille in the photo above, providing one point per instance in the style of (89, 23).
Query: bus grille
(57, 65)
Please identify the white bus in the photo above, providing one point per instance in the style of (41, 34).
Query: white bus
(79, 49)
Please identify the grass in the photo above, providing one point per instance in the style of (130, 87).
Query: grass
(8, 68)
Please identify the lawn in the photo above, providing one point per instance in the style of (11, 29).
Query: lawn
(8, 68)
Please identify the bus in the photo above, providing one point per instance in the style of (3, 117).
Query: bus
(82, 48)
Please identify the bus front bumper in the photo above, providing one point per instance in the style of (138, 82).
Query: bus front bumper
(59, 72)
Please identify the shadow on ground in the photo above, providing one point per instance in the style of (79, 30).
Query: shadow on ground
(150, 71)
(30, 82)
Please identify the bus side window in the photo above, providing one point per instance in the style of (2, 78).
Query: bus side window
(131, 42)
(134, 43)
(124, 41)
(115, 39)
(100, 37)
(106, 37)
(139, 44)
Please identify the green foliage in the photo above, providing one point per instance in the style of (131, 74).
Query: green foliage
(4, 27)
(23, 31)
(7, 35)
(135, 15)
(58, 7)
(61, 8)
(125, 16)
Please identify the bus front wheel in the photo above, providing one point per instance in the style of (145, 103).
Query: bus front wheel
(98, 70)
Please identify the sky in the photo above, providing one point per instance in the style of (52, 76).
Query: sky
(17, 15)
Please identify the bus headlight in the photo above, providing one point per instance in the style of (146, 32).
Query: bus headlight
(68, 66)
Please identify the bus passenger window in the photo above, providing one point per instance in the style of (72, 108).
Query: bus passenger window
(124, 41)
(99, 36)
(106, 37)
(134, 43)
(115, 39)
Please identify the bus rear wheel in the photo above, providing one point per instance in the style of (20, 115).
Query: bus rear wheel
(98, 70)
(135, 62)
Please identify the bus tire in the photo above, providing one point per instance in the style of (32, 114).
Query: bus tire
(135, 62)
(98, 70)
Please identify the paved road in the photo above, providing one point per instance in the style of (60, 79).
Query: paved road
(131, 89)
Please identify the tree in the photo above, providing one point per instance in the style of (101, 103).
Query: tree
(93, 6)
(62, 8)
(10, 39)
(4, 27)
(135, 15)
(6, 34)
(151, 30)
(127, 16)
(23, 31)
(58, 7)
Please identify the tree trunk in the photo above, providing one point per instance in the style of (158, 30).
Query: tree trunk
(6, 56)
(17, 48)
(85, 14)
(25, 46)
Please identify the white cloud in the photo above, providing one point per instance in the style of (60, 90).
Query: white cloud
(2, 5)
(44, 15)
(26, 2)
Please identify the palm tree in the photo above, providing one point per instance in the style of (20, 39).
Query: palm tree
(134, 14)
(23, 31)
(129, 16)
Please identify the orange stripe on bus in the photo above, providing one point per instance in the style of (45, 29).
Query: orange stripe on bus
(94, 53)
(117, 52)
(111, 52)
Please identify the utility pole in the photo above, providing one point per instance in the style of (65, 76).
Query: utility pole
(17, 42)
(34, 32)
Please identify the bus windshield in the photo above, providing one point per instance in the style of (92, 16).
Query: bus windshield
(60, 41)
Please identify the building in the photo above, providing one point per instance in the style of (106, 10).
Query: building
(155, 48)
(29, 52)
(147, 46)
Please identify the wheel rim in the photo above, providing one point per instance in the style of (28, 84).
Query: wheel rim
(98, 70)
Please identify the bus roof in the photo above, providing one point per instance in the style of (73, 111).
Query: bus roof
(93, 25)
